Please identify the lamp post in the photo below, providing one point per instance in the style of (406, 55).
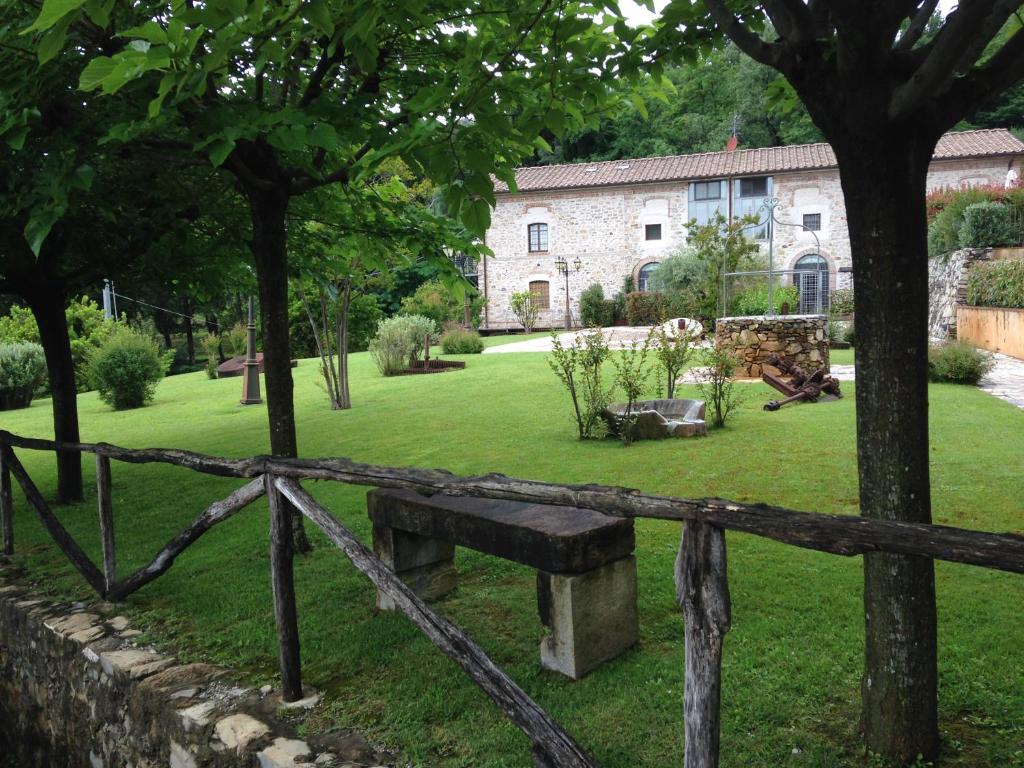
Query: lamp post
(251, 374)
(563, 267)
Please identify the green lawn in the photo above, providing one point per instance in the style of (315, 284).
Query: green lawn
(792, 660)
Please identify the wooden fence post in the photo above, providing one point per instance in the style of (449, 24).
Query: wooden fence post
(283, 580)
(6, 502)
(106, 510)
(702, 588)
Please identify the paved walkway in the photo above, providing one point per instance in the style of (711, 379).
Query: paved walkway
(1006, 380)
(618, 337)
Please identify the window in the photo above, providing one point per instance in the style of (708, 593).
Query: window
(706, 190)
(643, 277)
(540, 293)
(652, 232)
(812, 222)
(538, 237)
(757, 187)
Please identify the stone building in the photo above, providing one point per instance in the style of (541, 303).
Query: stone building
(610, 220)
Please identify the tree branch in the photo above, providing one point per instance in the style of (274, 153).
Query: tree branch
(958, 45)
(1004, 69)
(747, 41)
(918, 24)
(791, 19)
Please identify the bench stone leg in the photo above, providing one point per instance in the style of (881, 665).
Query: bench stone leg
(592, 616)
(426, 565)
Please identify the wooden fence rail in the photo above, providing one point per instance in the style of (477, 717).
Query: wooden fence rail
(701, 582)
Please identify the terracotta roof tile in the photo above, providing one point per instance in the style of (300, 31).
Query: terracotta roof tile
(741, 162)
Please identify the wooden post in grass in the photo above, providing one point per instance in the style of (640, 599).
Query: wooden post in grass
(106, 510)
(6, 502)
(283, 580)
(702, 588)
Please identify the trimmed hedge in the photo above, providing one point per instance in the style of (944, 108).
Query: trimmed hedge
(986, 225)
(460, 342)
(958, 363)
(126, 369)
(645, 308)
(595, 310)
(22, 372)
(996, 284)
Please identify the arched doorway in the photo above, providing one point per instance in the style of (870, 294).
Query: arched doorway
(812, 280)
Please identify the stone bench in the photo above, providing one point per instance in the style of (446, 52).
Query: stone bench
(586, 571)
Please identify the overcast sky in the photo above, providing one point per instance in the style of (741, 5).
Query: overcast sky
(639, 15)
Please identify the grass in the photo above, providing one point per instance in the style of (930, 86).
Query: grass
(792, 660)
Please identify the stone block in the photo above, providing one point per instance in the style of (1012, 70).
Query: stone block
(238, 731)
(284, 753)
(592, 616)
(425, 564)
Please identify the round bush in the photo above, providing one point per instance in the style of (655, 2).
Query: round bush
(958, 363)
(595, 311)
(397, 339)
(460, 342)
(22, 372)
(126, 370)
(986, 225)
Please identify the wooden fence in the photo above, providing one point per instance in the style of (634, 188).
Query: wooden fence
(701, 582)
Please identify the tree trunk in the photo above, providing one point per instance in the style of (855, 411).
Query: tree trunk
(47, 300)
(884, 185)
(190, 345)
(344, 303)
(269, 249)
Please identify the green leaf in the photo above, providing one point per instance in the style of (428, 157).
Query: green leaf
(16, 138)
(477, 216)
(320, 15)
(52, 40)
(219, 150)
(99, 11)
(39, 224)
(52, 12)
(95, 72)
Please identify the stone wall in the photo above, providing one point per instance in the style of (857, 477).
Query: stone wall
(947, 289)
(77, 691)
(802, 339)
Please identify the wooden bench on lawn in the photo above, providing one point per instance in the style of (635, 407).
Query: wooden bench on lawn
(586, 571)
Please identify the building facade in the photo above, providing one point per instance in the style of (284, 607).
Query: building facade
(612, 220)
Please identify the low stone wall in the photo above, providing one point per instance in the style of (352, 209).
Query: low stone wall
(77, 692)
(802, 339)
(992, 328)
(947, 289)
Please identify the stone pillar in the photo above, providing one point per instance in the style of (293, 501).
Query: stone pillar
(592, 616)
(426, 565)
(251, 373)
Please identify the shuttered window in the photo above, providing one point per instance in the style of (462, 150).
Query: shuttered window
(540, 294)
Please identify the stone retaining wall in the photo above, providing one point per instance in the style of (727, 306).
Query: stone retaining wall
(77, 691)
(802, 339)
(947, 288)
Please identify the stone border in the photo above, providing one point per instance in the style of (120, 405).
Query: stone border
(76, 688)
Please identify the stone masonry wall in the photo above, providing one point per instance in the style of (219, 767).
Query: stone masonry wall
(947, 288)
(604, 228)
(76, 691)
(802, 339)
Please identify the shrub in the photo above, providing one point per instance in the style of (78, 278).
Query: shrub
(22, 372)
(645, 308)
(126, 369)
(986, 225)
(841, 302)
(442, 304)
(459, 342)
(849, 336)
(397, 340)
(525, 309)
(595, 311)
(631, 373)
(211, 347)
(754, 300)
(958, 363)
(672, 351)
(716, 383)
(946, 214)
(997, 284)
(578, 367)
